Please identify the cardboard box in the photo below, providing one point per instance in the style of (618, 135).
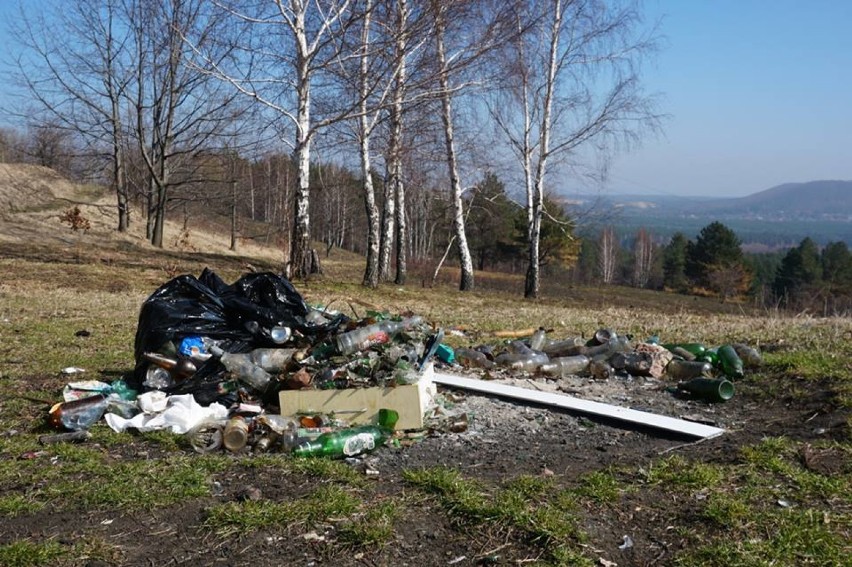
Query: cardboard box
(362, 405)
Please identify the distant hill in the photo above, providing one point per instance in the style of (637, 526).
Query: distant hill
(779, 217)
(813, 200)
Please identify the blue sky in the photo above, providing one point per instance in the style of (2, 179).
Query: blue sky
(759, 93)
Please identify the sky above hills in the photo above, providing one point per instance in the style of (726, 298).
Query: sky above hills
(757, 94)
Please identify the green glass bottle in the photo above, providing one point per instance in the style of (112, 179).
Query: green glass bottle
(710, 355)
(730, 362)
(695, 348)
(709, 389)
(345, 442)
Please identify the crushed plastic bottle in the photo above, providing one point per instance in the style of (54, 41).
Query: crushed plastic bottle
(241, 366)
(373, 335)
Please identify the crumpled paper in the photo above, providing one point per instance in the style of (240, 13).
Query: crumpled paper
(180, 414)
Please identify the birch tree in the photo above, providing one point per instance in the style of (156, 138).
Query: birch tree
(643, 258)
(607, 255)
(280, 49)
(573, 83)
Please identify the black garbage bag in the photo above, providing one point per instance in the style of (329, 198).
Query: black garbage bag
(241, 315)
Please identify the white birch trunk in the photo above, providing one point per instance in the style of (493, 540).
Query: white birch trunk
(371, 271)
(533, 280)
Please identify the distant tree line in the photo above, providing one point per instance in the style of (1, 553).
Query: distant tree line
(801, 278)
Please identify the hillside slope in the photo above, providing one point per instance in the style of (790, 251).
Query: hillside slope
(33, 198)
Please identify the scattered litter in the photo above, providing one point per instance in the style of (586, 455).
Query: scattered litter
(251, 367)
(70, 370)
(627, 543)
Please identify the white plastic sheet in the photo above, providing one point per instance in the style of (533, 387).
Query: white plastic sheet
(181, 414)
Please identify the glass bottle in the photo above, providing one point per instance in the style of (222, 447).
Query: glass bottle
(685, 369)
(565, 366)
(235, 435)
(709, 389)
(345, 442)
(730, 362)
(373, 335)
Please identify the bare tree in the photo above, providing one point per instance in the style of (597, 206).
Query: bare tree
(607, 255)
(574, 82)
(643, 258)
(74, 69)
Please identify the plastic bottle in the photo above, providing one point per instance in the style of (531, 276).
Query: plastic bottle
(235, 435)
(372, 335)
(243, 368)
(344, 443)
(603, 336)
(272, 359)
(538, 338)
(523, 362)
(607, 349)
(685, 369)
(749, 355)
(709, 389)
(730, 362)
(78, 414)
(470, 358)
(565, 347)
(565, 366)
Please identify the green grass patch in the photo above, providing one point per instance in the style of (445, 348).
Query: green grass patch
(786, 537)
(600, 486)
(679, 473)
(326, 503)
(530, 507)
(372, 529)
(26, 553)
(326, 469)
(71, 476)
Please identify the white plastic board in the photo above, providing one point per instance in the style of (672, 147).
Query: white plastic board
(565, 401)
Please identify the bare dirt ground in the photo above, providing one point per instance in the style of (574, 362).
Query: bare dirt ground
(503, 439)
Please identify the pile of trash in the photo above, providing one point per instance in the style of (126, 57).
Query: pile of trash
(701, 372)
(214, 360)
